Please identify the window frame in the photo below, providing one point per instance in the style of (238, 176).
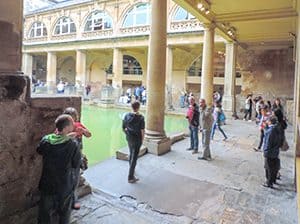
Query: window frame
(134, 12)
(189, 15)
(61, 23)
(38, 25)
(105, 17)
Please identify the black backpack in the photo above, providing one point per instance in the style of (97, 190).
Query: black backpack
(132, 124)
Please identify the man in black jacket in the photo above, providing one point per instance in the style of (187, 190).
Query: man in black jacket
(60, 156)
(134, 128)
(273, 140)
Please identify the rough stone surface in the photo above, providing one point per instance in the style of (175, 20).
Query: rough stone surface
(24, 121)
(178, 188)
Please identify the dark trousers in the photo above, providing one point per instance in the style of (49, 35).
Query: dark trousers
(134, 144)
(194, 137)
(248, 112)
(272, 166)
(53, 210)
(262, 135)
(214, 126)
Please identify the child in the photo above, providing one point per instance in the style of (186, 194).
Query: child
(78, 131)
(61, 156)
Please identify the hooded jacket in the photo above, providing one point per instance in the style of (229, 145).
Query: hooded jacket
(60, 156)
(273, 140)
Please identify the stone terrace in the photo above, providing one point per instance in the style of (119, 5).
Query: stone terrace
(178, 188)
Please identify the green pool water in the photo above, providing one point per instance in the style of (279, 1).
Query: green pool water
(107, 135)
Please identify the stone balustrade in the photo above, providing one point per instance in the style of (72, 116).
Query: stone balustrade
(184, 26)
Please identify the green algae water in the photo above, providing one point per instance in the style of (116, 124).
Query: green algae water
(107, 135)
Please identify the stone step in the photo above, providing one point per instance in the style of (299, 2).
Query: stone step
(123, 153)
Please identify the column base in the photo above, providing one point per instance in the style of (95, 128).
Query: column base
(158, 146)
(228, 104)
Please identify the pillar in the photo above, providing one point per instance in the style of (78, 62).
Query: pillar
(169, 79)
(117, 68)
(11, 26)
(27, 64)
(81, 67)
(155, 138)
(51, 68)
(207, 86)
(229, 101)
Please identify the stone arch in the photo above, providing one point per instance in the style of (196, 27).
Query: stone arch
(128, 9)
(28, 33)
(96, 69)
(57, 20)
(84, 21)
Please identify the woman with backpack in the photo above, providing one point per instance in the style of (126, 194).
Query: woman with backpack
(219, 119)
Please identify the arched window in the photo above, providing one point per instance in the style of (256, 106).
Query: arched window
(65, 25)
(139, 15)
(98, 20)
(131, 66)
(182, 14)
(38, 29)
(196, 67)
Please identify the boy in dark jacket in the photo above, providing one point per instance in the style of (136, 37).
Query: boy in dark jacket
(273, 140)
(60, 156)
(134, 128)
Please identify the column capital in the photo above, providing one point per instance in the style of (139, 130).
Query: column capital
(81, 50)
(209, 26)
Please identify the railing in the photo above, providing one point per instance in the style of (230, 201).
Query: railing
(98, 33)
(188, 25)
(135, 30)
(64, 36)
(36, 39)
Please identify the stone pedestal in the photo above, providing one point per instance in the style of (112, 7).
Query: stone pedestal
(158, 146)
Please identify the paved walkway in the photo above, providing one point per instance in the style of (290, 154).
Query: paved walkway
(178, 188)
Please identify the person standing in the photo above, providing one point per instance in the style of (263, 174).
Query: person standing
(61, 157)
(205, 122)
(134, 128)
(217, 115)
(274, 138)
(193, 119)
(262, 124)
(248, 107)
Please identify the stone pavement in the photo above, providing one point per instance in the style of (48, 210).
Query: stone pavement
(178, 188)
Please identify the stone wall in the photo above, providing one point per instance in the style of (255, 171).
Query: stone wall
(24, 121)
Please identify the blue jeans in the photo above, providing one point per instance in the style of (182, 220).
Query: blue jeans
(214, 126)
(194, 137)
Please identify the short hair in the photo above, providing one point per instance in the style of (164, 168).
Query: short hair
(73, 112)
(63, 121)
(135, 105)
(273, 119)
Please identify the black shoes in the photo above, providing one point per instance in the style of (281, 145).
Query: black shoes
(205, 158)
(133, 180)
(268, 185)
(189, 149)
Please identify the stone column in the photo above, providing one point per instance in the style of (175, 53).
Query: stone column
(11, 26)
(169, 79)
(207, 78)
(229, 101)
(155, 138)
(117, 68)
(81, 67)
(27, 64)
(51, 69)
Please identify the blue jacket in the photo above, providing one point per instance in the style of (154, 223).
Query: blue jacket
(273, 140)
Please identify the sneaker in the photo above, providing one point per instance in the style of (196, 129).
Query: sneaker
(244, 119)
(133, 180)
(249, 120)
(204, 158)
(267, 185)
(195, 151)
(224, 139)
(257, 149)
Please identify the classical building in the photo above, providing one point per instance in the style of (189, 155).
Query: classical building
(249, 47)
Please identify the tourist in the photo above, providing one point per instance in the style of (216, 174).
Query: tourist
(219, 118)
(79, 130)
(61, 156)
(205, 123)
(60, 87)
(262, 125)
(248, 107)
(134, 128)
(88, 89)
(144, 96)
(193, 119)
(217, 97)
(277, 105)
(274, 137)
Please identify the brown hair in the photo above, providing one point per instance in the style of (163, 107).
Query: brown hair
(63, 121)
(135, 105)
(72, 112)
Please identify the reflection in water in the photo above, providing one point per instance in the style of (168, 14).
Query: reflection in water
(107, 135)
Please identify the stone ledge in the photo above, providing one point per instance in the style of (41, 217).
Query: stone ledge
(123, 153)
